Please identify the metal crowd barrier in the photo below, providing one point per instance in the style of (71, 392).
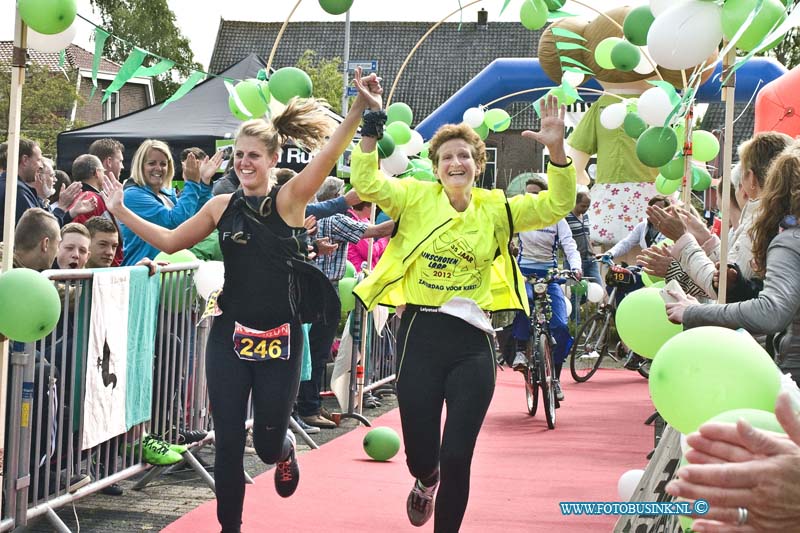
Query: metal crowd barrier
(45, 467)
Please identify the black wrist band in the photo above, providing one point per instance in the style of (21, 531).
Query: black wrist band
(372, 123)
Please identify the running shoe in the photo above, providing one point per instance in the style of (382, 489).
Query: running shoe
(287, 473)
(419, 505)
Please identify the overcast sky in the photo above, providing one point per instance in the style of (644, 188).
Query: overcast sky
(199, 19)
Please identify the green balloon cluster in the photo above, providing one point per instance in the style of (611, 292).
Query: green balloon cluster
(533, 14)
(335, 7)
(386, 145)
(29, 305)
(634, 125)
(482, 131)
(665, 186)
(399, 112)
(602, 53)
(289, 82)
(254, 96)
(656, 146)
(637, 24)
(642, 322)
(701, 179)
(674, 169)
(625, 56)
(48, 16)
(381, 443)
(176, 284)
(497, 119)
(709, 370)
(736, 12)
(399, 131)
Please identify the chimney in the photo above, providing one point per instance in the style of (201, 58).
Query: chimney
(483, 19)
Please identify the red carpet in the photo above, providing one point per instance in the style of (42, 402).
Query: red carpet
(520, 471)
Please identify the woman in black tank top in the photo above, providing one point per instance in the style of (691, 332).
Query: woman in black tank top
(255, 346)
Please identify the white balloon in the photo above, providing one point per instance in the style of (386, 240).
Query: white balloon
(569, 307)
(395, 164)
(473, 117)
(627, 484)
(209, 277)
(644, 66)
(613, 116)
(573, 78)
(595, 293)
(414, 145)
(659, 6)
(685, 34)
(655, 106)
(51, 43)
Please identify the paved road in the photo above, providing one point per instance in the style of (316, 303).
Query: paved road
(171, 496)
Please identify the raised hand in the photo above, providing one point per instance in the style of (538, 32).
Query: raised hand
(68, 195)
(191, 169)
(310, 223)
(369, 89)
(113, 193)
(551, 132)
(668, 222)
(210, 166)
(86, 203)
(655, 260)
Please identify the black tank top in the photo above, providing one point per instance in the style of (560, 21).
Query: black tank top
(258, 248)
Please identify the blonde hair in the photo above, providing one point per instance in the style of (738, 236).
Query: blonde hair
(758, 152)
(303, 121)
(140, 158)
(462, 131)
(74, 227)
(780, 197)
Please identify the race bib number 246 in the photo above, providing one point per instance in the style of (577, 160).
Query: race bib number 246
(255, 345)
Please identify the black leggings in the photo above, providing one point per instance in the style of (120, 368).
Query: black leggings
(442, 358)
(230, 380)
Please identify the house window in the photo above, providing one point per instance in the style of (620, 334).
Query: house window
(489, 178)
(111, 107)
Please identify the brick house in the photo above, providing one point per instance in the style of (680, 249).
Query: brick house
(136, 94)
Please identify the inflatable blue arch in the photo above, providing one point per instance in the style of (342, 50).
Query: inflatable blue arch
(507, 76)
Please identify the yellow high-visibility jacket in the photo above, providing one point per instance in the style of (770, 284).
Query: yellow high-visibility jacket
(412, 204)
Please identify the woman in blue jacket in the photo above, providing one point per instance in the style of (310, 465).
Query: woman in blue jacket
(149, 195)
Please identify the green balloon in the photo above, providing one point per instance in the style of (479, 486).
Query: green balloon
(665, 186)
(758, 418)
(335, 7)
(642, 322)
(602, 53)
(349, 270)
(659, 284)
(48, 16)
(400, 132)
(177, 286)
(254, 95)
(561, 96)
(29, 305)
(634, 125)
(381, 443)
(625, 56)
(701, 179)
(674, 169)
(649, 280)
(706, 371)
(425, 152)
(533, 14)
(346, 286)
(656, 146)
(386, 145)
(289, 82)
(580, 288)
(735, 13)
(399, 112)
(637, 24)
(497, 119)
(705, 146)
(686, 523)
(423, 170)
(482, 131)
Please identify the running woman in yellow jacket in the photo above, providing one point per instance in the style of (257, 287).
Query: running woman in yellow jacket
(448, 264)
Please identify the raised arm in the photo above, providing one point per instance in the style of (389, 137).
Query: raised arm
(186, 235)
(302, 188)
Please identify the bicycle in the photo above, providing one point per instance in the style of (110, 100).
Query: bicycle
(592, 342)
(539, 370)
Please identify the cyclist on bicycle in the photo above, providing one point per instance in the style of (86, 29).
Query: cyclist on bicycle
(537, 254)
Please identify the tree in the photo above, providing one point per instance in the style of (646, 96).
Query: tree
(149, 25)
(788, 50)
(47, 102)
(326, 76)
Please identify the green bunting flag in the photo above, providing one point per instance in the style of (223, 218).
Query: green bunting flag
(154, 70)
(187, 86)
(100, 36)
(126, 72)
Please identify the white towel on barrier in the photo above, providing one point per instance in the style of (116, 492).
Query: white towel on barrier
(104, 403)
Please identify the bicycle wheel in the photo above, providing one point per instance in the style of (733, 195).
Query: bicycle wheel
(531, 379)
(546, 376)
(588, 349)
